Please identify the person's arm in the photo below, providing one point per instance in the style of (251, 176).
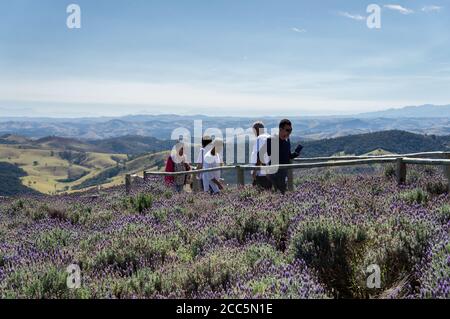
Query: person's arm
(200, 159)
(269, 146)
(297, 151)
(218, 183)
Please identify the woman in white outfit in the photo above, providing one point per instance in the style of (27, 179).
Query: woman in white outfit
(211, 180)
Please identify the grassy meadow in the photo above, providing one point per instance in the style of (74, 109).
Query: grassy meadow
(48, 173)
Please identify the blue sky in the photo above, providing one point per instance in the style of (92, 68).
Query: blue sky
(217, 57)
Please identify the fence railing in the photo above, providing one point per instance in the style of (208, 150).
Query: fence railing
(401, 161)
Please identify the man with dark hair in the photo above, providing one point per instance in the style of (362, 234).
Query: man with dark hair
(284, 154)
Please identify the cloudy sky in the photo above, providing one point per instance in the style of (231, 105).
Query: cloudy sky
(221, 57)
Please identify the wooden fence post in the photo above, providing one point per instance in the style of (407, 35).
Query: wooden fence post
(128, 184)
(240, 176)
(196, 184)
(447, 173)
(290, 179)
(401, 171)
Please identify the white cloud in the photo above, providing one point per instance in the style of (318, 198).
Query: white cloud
(399, 8)
(298, 30)
(357, 17)
(431, 8)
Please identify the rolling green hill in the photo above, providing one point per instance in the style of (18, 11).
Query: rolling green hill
(10, 180)
(398, 142)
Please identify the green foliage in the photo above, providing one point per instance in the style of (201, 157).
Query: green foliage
(10, 180)
(53, 239)
(102, 178)
(131, 249)
(395, 141)
(18, 205)
(279, 228)
(139, 203)
(330, 247)
(390, 171)
(416, 196)
(248, 193)
(444, 214)
(45, 284)
(436, 188)
(54, 213)
(168, 194)
(2, 260)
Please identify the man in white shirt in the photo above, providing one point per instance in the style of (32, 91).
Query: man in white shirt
(260, 157)
(206, 141)
(211, 180)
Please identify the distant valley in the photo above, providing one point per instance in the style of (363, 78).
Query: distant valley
(53, 165)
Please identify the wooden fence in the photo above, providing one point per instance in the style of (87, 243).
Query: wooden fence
(401, 161)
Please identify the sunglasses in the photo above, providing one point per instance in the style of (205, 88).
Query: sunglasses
(289, 130)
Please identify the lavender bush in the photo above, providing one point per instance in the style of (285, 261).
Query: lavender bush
(315, 242)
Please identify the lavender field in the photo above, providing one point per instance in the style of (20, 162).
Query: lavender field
(315, 242)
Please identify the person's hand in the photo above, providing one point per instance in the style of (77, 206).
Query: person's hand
(299, 149)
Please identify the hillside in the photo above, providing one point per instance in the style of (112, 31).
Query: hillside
(55, 164)
(398, 142)
(115, 175)
(56, 170)
(132, 144)
(10, 183)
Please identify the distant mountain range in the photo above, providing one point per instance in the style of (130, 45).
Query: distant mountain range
(423, 111)
(426, 119)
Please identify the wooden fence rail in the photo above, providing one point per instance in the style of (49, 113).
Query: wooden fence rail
(401, 161)
(344, 158)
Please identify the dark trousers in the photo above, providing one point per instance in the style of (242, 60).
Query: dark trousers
(279, 181)
(263, 182)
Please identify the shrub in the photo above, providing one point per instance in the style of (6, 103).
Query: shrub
(101, 218)
(53, 239)
(160, 215)
(130, 250)
(436, 188)
(390, 171)
(44, 284)
(247, 193)
(412, 177)
(415, 196)
(54, 213)
(168, 194)
(2, 260)
(330, 247)
(37, 214)
(280, 227)
(246, 225)
(140, 203)
(444, 214)
(18, 205)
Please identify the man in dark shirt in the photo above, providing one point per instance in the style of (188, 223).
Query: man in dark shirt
(284, 154)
